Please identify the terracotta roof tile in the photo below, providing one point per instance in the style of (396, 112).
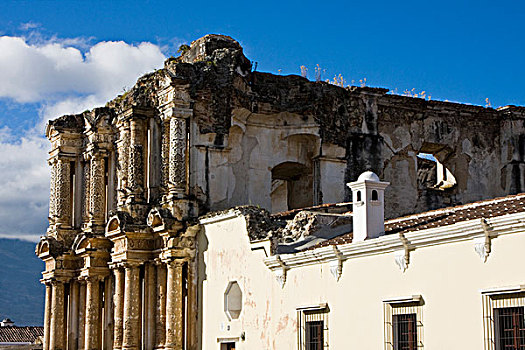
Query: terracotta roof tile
(446, 216)
(14, 334)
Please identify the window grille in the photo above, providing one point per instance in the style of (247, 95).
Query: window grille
(510, 331)
(404, 324)
(405, 332)
(504, 321)
(313, 328)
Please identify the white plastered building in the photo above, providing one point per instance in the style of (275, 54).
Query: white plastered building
(445, 279)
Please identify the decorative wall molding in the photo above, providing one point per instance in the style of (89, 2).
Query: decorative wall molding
(483, 245)
(462, 231)
(336, 266)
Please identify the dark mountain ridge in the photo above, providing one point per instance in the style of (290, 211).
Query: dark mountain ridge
(21, 293)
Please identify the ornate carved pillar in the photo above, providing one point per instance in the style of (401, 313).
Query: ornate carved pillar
(63, 193)
(118, 300)
(108, 313)
(174, 306)
(149, 305)
(86, 189)
(136, 170)
(160, 321)
(72, 343)
(131, 329)
(165, 156)
(97, 190)
(52, 195)
(47, 315)
(177, 160)
(81, 314)
(92, 325)
(123, 163)
(192, 306)
(58, 321)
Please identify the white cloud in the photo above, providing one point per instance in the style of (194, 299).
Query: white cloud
(38, 72)
(24, 189)
(62, 79)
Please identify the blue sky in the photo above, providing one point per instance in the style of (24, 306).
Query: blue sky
(463, 51)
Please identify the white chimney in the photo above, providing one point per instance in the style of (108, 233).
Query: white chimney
(6, 323)
(368, 198)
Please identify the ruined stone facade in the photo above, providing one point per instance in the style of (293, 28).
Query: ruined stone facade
(207, 133)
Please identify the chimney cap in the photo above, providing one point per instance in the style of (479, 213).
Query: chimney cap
(368, 176)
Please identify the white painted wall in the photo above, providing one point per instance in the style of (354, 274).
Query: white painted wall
(449, 277)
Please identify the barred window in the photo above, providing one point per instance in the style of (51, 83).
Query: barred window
(404, 323)
(314, 335)
(504, 319)
(510, 328)
(405, 332)
(313, 327)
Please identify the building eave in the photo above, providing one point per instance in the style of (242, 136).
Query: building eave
(462, 231)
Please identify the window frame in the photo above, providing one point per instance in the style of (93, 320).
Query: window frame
(403, 306)
(494, 300)
(312, 314)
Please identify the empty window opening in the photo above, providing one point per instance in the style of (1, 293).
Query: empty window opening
(375, 197)
(72, 192)
(292, 186)
(358, 196)
(106, 188)
(432, 174)
(152, 166)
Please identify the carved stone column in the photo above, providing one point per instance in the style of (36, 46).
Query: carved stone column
(174, 306)
(149, 305)
(123, 163)
(97, 190)
(160, 319)
(165, 156)
(81, 314)
(136, 170)
(118, 300)
(58, 321)
(86, 189)
(192, 306)
(63, 193)
(131, 328)
(108, 313)
(52, 195)
(177, 160)
(47, 315)
(92, 325)
(72, 343)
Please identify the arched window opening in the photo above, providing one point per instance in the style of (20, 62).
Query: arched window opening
(358, 196)
(153, 142)
(374, 195)
(432, 174)
(292, 186)
(73, 193)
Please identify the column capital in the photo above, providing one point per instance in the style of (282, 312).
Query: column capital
(92, 278)
(129, 264)
(173, 262)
